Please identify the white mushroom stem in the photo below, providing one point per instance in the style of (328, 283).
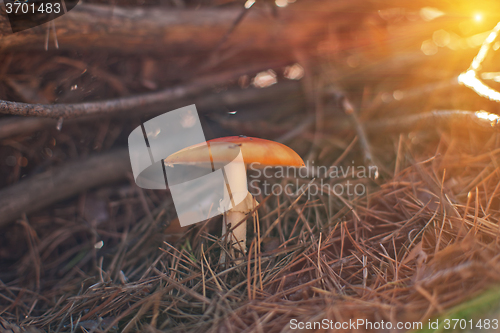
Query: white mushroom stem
(233, 217)
(238, 202)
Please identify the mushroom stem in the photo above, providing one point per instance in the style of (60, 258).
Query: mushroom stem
(234, 216)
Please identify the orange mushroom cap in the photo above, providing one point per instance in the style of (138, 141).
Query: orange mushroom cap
(222, 151)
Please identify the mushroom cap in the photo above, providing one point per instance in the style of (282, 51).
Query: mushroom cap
(224, 150)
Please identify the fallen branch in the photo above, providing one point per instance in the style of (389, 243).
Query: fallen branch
(60, 183)
(181, 32)
(94, 108)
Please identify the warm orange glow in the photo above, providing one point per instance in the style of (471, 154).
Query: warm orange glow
(430, 13)
(494, 76)
(429, 47)
(493, 118)
(470, 78)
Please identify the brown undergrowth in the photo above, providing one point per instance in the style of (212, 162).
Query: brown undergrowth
(422, 241)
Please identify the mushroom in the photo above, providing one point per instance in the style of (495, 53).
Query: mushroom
(238, 202)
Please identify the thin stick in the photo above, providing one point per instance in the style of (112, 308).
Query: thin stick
(92, 108)
(203, 277)
(363, 140)
(435, 119)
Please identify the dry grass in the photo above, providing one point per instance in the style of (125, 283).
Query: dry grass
(423, 241)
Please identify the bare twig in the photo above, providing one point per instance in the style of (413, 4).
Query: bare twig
(363, 140)
(197, 92)
(435, 119)
(93, 108)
